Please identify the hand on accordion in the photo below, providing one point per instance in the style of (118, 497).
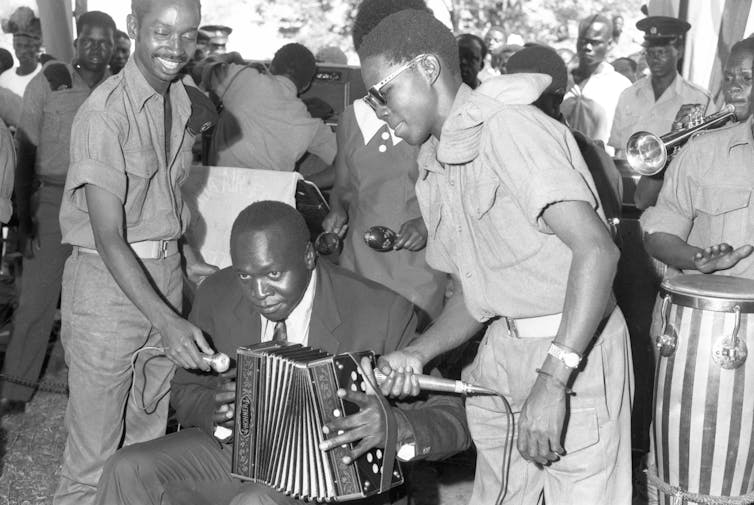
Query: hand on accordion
(225, 400)
(367, 428)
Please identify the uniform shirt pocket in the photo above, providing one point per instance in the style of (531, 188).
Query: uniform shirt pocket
(499, 227)
(141, 166)
(724, 212)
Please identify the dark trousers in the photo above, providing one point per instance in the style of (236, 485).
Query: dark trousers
(40, 291)
(185, 468)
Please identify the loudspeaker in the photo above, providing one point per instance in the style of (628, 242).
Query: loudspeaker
(337, 85)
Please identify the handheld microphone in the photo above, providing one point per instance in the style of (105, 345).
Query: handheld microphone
(219, 362)
(431, 383)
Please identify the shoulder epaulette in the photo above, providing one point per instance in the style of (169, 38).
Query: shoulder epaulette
(203, 112)
(58, 76)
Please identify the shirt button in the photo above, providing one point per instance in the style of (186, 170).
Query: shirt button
(385, 135)
(382, 148)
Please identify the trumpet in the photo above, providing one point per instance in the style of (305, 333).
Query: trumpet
(648, 154)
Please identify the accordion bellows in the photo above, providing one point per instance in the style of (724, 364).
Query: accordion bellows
(284, 395)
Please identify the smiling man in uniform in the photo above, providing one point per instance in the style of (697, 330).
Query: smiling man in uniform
(124, 215)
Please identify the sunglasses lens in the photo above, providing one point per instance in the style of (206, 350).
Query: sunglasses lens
(375, 98)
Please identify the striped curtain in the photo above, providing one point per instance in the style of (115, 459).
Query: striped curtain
(715, 26)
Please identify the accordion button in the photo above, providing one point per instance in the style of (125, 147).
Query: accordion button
(375, 468)
(336, 412)
(354, 388)
(354, 376)
(364, 387)
(379, 453)
(370, 458)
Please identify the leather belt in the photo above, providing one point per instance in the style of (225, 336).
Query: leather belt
(146, 249)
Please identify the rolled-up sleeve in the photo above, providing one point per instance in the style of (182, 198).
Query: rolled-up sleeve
(539, 158)
(96, 157)
(674, 211)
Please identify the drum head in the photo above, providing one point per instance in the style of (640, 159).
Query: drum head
(700, 287)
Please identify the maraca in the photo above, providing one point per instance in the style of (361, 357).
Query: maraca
(380, 238)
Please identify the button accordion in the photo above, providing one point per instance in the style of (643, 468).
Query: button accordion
(284, 395)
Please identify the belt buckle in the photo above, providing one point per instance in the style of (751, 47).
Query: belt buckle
(512, 329)
(163, 245)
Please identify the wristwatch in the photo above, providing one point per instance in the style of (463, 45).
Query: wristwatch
(569, 358)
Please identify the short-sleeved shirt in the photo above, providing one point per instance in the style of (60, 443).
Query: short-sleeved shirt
(706, 198)
(637, 109)
(7, 172)
(264, 124)
(118, 144)
(483, 188)
(47, 116)
(590, 106)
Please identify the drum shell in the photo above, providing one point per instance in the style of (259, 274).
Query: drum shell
(703, 414)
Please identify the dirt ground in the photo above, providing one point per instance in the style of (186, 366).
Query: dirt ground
(31, 449)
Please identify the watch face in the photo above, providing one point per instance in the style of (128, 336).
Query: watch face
(571, 360)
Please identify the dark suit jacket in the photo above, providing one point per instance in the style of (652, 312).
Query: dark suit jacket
(349, 314)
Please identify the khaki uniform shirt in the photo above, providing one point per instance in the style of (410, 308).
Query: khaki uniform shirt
(46, 118)
(264, 124)
(637, 109)
(482, 190)
(706, 198)
(118, 144)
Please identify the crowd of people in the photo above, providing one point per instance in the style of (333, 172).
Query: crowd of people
(492, 159)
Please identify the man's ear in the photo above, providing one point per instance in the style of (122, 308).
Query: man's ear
(310, 256)
(132, 26)
(431, 67)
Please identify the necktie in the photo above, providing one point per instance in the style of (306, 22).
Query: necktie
(280, 333)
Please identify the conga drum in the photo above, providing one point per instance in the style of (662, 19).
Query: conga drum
(703, 425)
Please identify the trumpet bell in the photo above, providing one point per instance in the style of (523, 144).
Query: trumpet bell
(646, 153)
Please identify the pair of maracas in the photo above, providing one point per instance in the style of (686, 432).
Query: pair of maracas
(379, 238)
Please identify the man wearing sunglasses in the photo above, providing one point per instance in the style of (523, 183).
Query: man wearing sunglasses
(510, 208)
(654, 103)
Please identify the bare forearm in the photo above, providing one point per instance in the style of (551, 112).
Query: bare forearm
(588, 291)
(324, 179)
(453, 327)
(671, 250)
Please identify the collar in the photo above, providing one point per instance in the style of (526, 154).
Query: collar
(297, 322)
(602, 68)
(141, 91)
(74, 67)
(742, 134)
(369, 123)
(645, 84)
(462, 131)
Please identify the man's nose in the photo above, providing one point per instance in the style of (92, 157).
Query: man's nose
(259, 289)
